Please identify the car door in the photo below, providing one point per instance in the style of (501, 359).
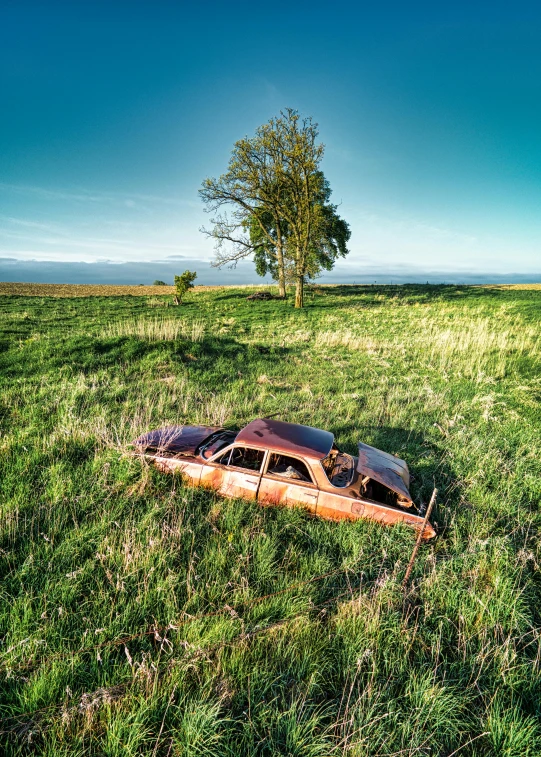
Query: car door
(336, 506)
(287, 480)
(235, 472)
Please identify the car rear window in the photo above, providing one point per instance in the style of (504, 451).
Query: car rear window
(216, 442)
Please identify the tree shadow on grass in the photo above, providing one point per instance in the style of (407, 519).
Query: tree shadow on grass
(413, 293)
(85, 354)
(235, 295)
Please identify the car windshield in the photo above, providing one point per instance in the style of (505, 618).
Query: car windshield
(339, 468)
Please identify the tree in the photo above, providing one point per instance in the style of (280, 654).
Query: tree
(182, 284)
(159, 283)
(268, 244)
(281, 215)
(327, 243)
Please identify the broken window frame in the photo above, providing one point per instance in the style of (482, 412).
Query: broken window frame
(217, 460)
(335, 452)
(302, 482)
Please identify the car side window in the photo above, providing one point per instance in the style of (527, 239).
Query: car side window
(288, 467)
(243, 457)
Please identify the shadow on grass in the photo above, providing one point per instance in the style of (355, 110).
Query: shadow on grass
(86, 353)
(414, 292)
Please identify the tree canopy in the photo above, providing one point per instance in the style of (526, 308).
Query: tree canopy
(327, 242)
(278, 198)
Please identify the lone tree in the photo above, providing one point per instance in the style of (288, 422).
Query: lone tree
(182, 284)
(280, 213)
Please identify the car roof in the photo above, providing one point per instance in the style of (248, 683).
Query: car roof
(287, 437)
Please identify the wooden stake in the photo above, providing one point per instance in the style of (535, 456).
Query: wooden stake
(419, 537)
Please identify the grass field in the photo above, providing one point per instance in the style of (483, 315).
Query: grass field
(141, 617)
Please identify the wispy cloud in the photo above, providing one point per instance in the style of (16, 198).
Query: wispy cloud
(88, 242)
(128, 200)
(53, 228)
(390, 220)
(90, 237)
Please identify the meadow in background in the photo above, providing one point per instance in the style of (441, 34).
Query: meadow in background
(139, 616)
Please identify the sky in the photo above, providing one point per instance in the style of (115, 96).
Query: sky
(114, 112)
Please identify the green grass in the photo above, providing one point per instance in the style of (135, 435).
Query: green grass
(96, 548)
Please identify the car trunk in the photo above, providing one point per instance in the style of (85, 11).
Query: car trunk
(175, 440)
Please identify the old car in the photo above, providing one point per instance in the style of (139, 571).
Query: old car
(275, 463)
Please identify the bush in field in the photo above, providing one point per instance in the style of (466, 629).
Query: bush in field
(182, 284)
(159, 283)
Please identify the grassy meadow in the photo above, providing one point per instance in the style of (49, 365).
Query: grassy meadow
(141, 617)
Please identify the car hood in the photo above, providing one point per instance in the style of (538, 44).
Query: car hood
(182, 440)
(386, 469)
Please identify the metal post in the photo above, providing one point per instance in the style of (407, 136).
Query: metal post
(419, 537)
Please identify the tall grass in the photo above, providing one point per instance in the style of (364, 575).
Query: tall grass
(473, 345)
(141, 617)
(157, 329)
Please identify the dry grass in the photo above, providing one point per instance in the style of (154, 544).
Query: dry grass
(80, 290)
(471, 345)
(515, 286)
(347, 338)
(158, 329)
(101, 290)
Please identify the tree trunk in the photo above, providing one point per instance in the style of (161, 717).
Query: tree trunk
(281, 270)
(299, 291)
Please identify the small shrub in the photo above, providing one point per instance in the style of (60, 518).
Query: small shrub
(182, 284)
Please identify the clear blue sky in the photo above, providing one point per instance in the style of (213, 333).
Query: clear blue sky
(114, 112)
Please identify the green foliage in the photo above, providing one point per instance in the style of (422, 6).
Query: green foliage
(327, 242)
(258, 658)
(159, 283)
(183, 283)
(279, 197)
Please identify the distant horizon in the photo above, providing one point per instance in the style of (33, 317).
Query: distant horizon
(146, 272)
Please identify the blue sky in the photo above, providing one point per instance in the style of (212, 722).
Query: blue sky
(113, 114)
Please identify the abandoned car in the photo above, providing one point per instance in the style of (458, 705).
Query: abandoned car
(275, 463)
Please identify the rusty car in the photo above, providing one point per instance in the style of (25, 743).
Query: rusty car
(279, 463)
